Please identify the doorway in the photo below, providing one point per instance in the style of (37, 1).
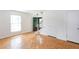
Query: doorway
(37, 23)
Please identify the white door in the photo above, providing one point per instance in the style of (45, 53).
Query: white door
(73, 26)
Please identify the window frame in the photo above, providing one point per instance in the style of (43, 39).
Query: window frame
(15, 23)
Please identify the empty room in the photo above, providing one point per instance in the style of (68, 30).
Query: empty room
(39, 29)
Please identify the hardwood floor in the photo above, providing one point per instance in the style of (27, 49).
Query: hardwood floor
(28, 41)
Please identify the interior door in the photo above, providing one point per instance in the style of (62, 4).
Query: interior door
(73, 26)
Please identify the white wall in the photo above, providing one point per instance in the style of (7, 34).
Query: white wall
(5, 22)
(54, 24)
(73, 26)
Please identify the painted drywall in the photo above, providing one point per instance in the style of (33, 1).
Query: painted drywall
(73, 26)
(54, 24)
(5, 22)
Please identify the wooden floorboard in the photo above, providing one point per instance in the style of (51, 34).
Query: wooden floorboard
(29, 41)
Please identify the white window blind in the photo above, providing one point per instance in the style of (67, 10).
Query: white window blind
(15, 23)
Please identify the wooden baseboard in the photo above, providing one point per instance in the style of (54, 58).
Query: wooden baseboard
(51, 36)
(72, 42)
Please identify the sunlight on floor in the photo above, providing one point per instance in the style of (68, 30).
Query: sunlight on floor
(16, 42)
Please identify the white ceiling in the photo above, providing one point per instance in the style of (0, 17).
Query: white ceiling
(34, 12)
(31, 11)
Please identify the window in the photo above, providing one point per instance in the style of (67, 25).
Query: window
(15, 23)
